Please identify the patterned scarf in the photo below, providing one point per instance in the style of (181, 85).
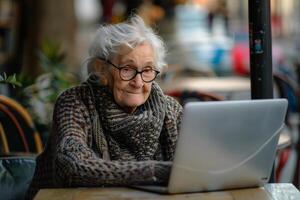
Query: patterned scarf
(134, 136)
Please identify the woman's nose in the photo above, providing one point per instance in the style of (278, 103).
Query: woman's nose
(138, 81)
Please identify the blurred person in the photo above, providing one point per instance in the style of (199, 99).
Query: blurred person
(218, 8)
(107, 7)
(132, 6)
(117, 128)
(149, 10)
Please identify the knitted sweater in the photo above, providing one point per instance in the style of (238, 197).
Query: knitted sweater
(70, 158)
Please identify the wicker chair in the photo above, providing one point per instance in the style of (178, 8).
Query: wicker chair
(17, 131)
(289, 157)
(187, 96)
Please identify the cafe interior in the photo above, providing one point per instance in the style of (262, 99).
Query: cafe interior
(43, 45)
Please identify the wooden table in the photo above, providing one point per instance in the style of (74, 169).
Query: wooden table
(269, 192)
(229, 87)
(208, 84)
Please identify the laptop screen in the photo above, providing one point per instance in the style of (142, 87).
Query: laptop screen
(226, 144)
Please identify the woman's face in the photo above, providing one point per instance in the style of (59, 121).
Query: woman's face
(131, 94)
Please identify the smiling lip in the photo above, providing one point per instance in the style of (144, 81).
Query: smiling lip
(134, 92)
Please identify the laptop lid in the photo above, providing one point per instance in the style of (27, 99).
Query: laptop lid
(226, 144)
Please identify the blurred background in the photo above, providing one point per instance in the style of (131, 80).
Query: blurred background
(43, 44)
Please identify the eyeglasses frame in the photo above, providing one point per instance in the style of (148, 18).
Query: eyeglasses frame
(136, 71)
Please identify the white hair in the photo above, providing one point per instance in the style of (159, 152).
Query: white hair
(109, 39)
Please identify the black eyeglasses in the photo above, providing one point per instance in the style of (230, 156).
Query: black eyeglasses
(128, 73)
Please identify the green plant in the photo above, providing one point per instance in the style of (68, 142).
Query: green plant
(52, 61)
(43, 93)
(11, 80)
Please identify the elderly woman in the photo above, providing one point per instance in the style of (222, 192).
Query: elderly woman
(117, 128)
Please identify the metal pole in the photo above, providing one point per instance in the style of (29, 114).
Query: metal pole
(260, 42)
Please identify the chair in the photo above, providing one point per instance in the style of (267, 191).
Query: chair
(288, 159)
(15, 176)
(17, 131)
(187, 96)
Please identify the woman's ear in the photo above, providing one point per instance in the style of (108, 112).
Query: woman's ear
(101, 69)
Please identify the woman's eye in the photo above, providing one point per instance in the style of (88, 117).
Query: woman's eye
(127, 70)
(128, 67)
(148, 70)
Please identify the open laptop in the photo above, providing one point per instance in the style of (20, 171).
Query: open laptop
(225, 145)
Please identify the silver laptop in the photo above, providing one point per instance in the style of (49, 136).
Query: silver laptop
(225, 145)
